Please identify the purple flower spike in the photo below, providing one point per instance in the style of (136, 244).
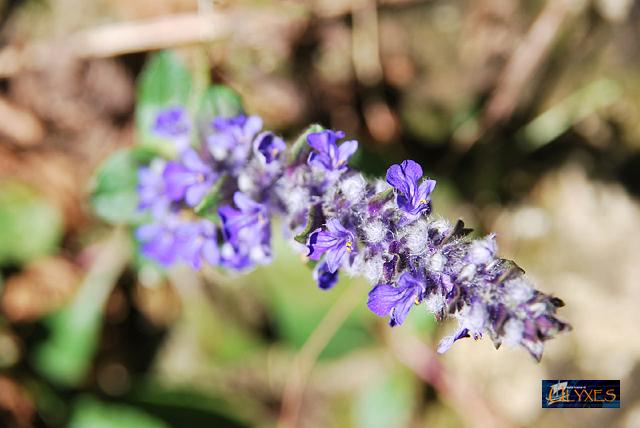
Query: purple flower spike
(324, 278)
(190, 178)
(268, 147)
(386, 235)
(336, 242)
(411, 197)
(328, 155)
(385, 299)
(197, 242)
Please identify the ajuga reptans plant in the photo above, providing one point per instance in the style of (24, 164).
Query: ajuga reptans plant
(215, 201)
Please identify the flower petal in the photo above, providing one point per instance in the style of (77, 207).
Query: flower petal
(382, 299)
(252, 126)
(447, 341)
(319, 242)
(324, 278)
(210, 252)
(193, 162)
(196, 193)
(335, 255)
(345, 150)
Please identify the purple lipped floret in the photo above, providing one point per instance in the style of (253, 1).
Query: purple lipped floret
(269, 147)
(326, 154)
(396, 301)
(232, 139)
(412, 197)
(159, 240)
(197, 242)
(335, 242)
(189, 179)
(248, 231)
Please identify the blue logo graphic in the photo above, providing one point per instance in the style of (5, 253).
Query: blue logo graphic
(580, 393)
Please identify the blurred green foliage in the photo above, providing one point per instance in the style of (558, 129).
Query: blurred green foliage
(89, 412)
(114, 197)
(387, 402)
(30, 226)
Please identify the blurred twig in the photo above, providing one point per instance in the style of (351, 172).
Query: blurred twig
(424, 362)
(365, 39)
(123, 38)
(567, 112)
(339, 8)
(521, 68)
(175, 30)
(20, 125)
(293, 394)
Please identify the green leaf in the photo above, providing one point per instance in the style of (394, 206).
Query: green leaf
(314, 220)
(65, 356)
(219, 100)
(30, 225)
(164, 82)
(180, 406)
(298, 306)
(89, 412)
(545, 128)
(300, 146)
(207, 207)
(114, 198)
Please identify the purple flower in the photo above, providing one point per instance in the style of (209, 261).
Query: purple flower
(173, 123)
(159, 241)
(247, 229)
(151, 188)
(232, 138)
(197, 241)
(327, 154)
(268, 147)
(190, 178)
(385, 299)
(324, 278)
(411, 197)
(336, 242)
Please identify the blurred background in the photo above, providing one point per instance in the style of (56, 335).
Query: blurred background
(526, 112)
